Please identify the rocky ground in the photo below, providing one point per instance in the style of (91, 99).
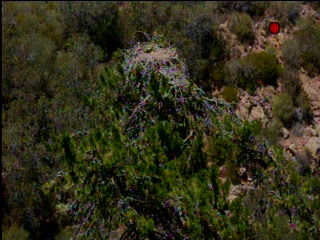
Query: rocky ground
(301, 139)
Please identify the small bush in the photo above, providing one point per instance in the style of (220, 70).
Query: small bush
(308, 38)
(304, 162)
(291, 53)
(311, 62)
(254, 70)
(291, 82)
(272, 131)
(241, 25)
(267, 68)
(304, 49)
(285, 12)
(283, 109)
(303, 102)
(230, 94)
(249, 7)
(14, 233)
(64, 234)
(292, 85)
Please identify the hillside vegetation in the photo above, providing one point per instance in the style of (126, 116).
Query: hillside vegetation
(160, 120)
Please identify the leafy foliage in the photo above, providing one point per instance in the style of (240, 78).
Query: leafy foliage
(242, 26)
(303, 49)
(100, 142)
(254, 70)
(230, 94)
(45, 78)
(283, 109)
(254, 9)
(285, 12)
(150, 182)
(14, 233)
(308, 38)
(292, 86)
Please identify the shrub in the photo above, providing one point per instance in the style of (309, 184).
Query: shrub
(302, 101)
(47, 70)
(291, 53)
(308, 38)
(14, 233)
(191, 28)
(254, 70)
(272, 131)
(291, 82)
(157, 181)
(304, 159)
(99, 20)
(252, 8)
(292, 85)
(310, 62)
(230, 94)
(283, 109)
(242, 25)
(267, 67)
(285, 12)
(303, 49)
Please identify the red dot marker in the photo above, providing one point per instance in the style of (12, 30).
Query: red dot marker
(274, 27)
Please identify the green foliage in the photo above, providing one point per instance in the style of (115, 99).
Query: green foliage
(308, 38)
(99, 142)
(192, 29)
(285, 12)
(14, 233)
(242, 25)
(303, 49)
(98, 20)
(272, 131)
(267, 68)
(64, 235)
(46, 74)
(292, 85)
(291, 82)
(303, 102)
(157, 181)
(230, 94)
(254, 70)
(290, 195)
(283, 109)
(254, 9)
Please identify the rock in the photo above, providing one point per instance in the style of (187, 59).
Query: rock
(227, 212)
(285, 133)
(318, 130)
(243, 112)
(222, 171)
(292, 149)
(313, 145)
(257, 113)
(242, 170)
(310, 132)
(286, 143)
(236, 190)
(233, 194)
(116, 234)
